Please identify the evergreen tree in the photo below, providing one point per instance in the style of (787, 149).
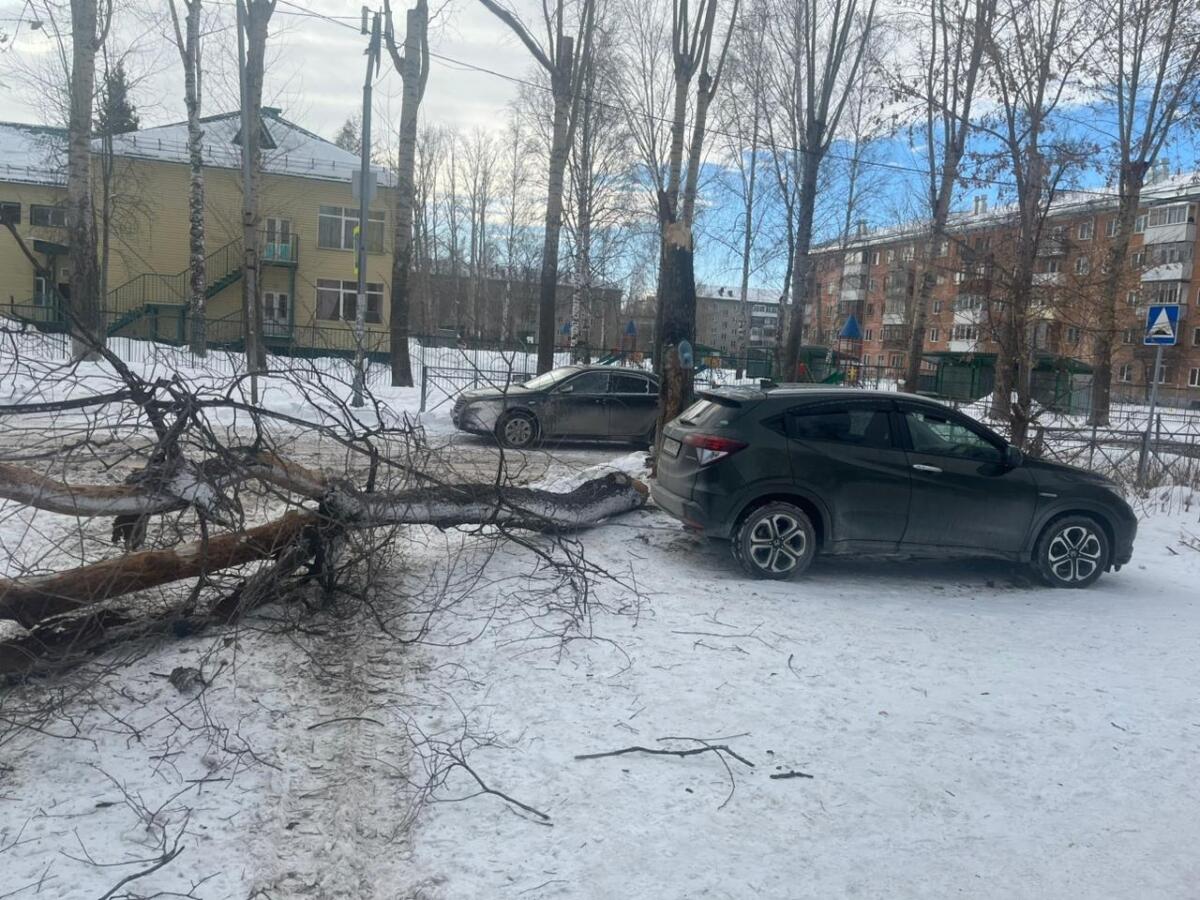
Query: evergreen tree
(116, 113)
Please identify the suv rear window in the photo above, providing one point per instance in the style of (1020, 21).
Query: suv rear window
(862, 426)
(707, 413)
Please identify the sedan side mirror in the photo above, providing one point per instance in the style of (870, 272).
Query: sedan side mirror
(1013, 456)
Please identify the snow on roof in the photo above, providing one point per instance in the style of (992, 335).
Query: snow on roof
(288, 148)
(1185, 185)
(35, 153)
(32, 154)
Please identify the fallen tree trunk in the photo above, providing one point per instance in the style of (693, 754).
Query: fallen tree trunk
(33, 600)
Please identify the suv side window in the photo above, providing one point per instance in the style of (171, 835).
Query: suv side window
(939, 435)
(619, 383)
(587, 383)
(861, 426)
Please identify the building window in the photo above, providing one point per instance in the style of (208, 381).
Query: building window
(891, 256)
(1127, 336)
(869, 334)
(1194, 378)
(870, 309)
(965, 333)
(933, 335)
(47, 216)
(1164, 374)
(941, 278)
(1126, 374)
(1139, 224)
(1053, 266)
(937, 306)
(275, 309)
(875, 258)
(1137, 259)
(895, 361)
(907, 252)
(1176, 214)
(943, 248)
(1196, 337)
(1131, 299)
(873, 284)
(1111, 229)
(338, 300)
(1085, 230)
(278, 244)
(1083, 265)
(1164, 292)
(10, 213)
(41, 296)
(1072, 334)
(336, 225)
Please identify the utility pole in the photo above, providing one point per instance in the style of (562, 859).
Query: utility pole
(249, 245)
(366, 186)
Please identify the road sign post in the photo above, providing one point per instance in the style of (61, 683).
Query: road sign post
(1162, 330)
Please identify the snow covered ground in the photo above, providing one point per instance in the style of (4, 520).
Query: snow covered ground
(967, 731)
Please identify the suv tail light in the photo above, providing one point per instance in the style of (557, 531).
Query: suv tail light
(710, 448)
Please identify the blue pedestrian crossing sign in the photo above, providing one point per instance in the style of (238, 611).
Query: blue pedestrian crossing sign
(1162, 325)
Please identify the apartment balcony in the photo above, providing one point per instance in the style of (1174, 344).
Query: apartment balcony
(853, 268)
(1047, 279)
(969, 315)
(1184, 232)
(1052, 245)
(280, 250)
(963, 346)
(852, 295)
(1172, 271)
(894, 336)
(895, 313)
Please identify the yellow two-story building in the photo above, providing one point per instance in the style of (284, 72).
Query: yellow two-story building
(308, 216)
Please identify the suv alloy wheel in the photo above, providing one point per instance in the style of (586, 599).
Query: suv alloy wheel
(775, 541)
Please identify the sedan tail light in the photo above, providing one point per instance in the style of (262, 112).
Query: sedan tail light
(710, 448)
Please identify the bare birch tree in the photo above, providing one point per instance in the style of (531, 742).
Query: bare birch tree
(820, 50)
(413, 65)
(1035, 53)
(560, 57)
(187, 41)
(1146, 69)
(89, 29)
(950, 57)
(691, 44)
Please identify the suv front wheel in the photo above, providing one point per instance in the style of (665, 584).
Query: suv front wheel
(776, 541)
(1072, 553)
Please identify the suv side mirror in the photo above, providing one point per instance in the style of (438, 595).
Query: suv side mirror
(1013, 456)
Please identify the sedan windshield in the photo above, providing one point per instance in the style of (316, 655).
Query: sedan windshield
(549, 379)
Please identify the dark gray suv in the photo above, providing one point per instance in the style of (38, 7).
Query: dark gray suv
(786, 471)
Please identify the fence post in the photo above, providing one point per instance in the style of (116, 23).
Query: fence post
(424, 384)
(1092, 447)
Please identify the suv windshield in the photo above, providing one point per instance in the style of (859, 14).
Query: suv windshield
(707, 412)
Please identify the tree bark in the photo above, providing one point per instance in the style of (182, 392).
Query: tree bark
(414, 68)
(801, 268)
(562, 80)
(83, 308)
(189, 50)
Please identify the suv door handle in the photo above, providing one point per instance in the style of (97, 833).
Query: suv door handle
(923, 468)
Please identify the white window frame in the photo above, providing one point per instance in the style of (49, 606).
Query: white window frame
(1085, 230)
(347, 298)
(347, 219)
(1164, 372)
(933, 335)
(1167, 214)
(1110, 230)
(1074, 333)
(1125, 375)
(1194, 377)
(1083, 265)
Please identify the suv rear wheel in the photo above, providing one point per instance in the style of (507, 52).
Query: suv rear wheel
(775, 541)
(1072, 552)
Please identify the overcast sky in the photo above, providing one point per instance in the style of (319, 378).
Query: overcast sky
(316, 66)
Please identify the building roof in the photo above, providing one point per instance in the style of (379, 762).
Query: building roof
(1181, 186)
(36, 154)
(32, 154)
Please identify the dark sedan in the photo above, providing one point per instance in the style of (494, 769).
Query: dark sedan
(787, 472)
(573, 402)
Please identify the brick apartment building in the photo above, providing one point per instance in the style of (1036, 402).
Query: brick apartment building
(873, 277)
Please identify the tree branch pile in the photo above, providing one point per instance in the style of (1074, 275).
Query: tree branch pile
(201, 475)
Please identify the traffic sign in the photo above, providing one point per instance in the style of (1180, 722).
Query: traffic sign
(1162, 325)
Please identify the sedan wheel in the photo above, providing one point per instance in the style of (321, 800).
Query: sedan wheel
(517, 430)
(1073, 552)
(775, 541)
